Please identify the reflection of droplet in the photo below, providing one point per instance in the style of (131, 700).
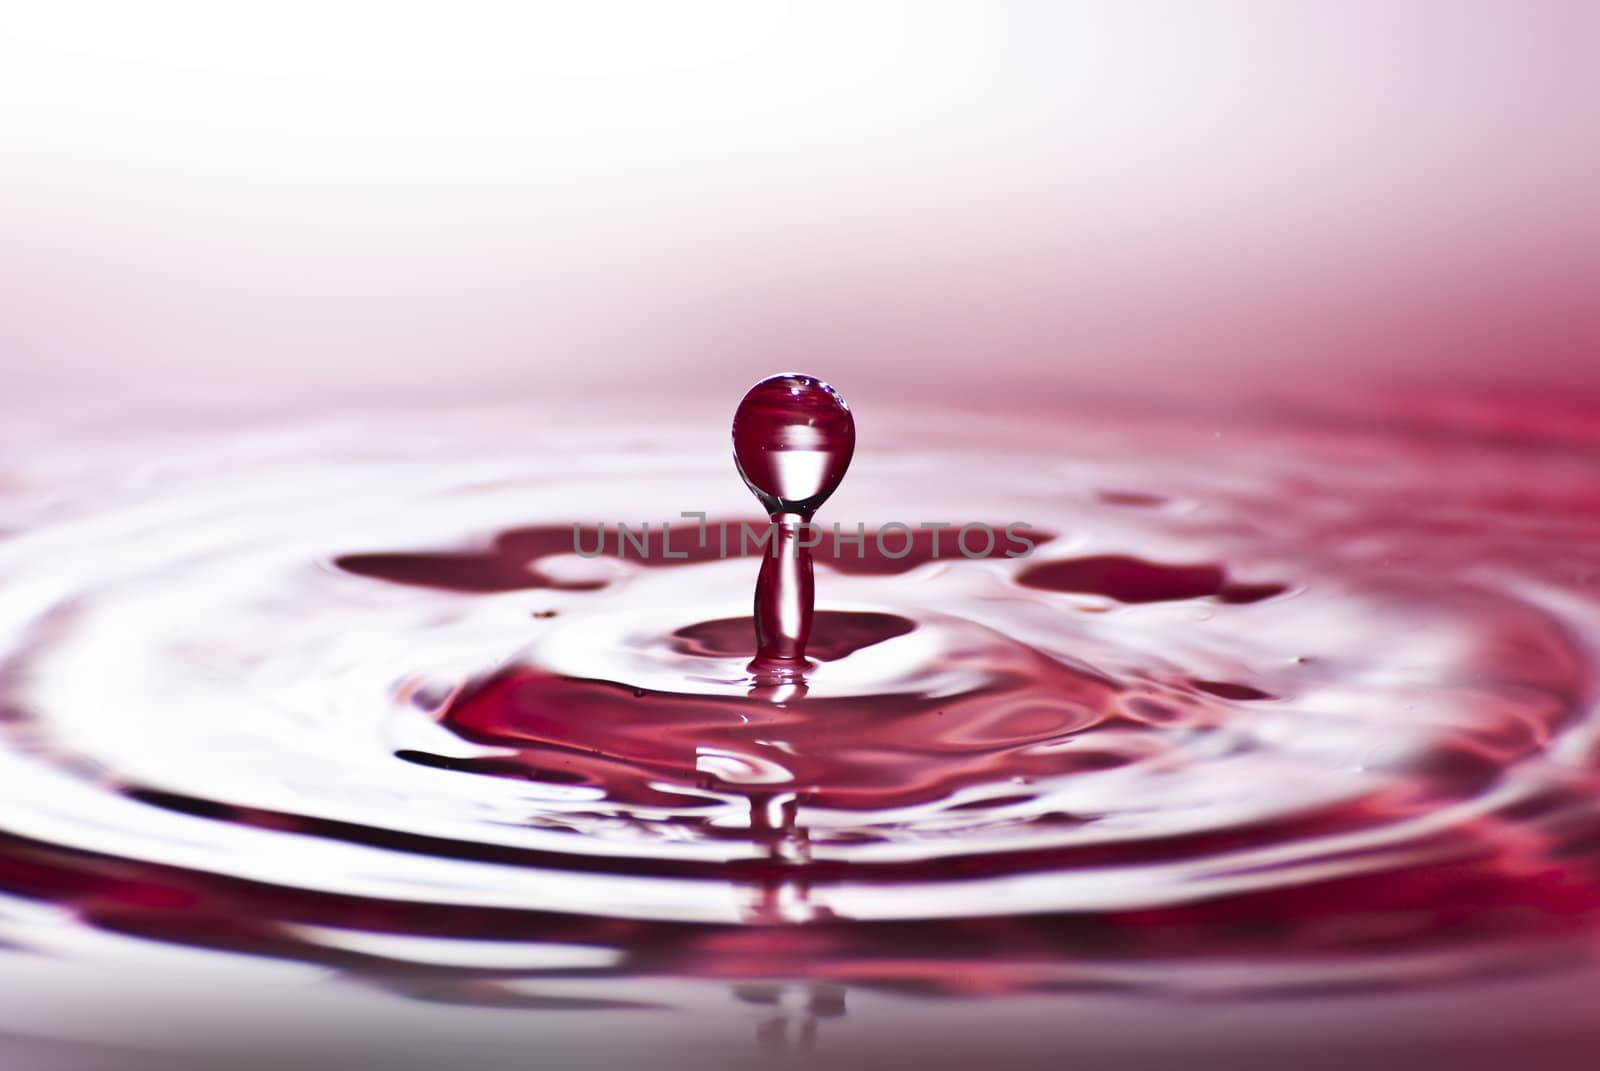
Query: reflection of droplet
(738, 769)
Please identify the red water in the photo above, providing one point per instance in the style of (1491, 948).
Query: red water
(1314, 696)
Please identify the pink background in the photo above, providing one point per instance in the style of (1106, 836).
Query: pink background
(1008, 200)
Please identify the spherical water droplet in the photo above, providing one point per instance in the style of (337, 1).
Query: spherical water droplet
(793, 436)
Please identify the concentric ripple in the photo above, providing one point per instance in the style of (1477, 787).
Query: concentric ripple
(1270, 699)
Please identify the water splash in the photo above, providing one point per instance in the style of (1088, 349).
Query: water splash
(793, 437)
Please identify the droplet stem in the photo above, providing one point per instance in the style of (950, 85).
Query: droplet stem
(785, 597)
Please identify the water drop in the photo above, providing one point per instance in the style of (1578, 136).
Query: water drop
(793, 437)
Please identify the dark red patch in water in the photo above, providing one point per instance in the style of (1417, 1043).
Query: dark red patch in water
(885, 750)
(1135, 580)
(1229, 690)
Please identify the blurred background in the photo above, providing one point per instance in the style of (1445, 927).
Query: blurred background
(337, 201)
